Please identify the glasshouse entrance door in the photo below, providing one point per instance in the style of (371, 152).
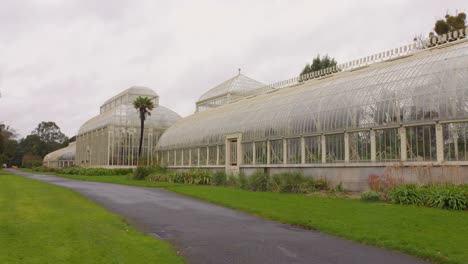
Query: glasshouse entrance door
(232, 143)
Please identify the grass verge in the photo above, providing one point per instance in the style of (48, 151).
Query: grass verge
(435, 234)
(43, 223)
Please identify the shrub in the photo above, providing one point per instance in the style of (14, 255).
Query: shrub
(447, 197)
(370, 196)
(339, 188)
(219, 178)
(141, 172)
(293, 182)
(233, 181)
(407, 194)
(321, 184)
(93, 171)
(259, 182)
(243, 182)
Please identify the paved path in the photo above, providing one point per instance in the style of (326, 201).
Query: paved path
(206, 233)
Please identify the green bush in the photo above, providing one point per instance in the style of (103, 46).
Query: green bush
(31, 164)
(370, 196)
(243, 182)
(407, 194)
(259, 182)
(93, 171)
(141, 172)
(192, 176)
(293, 182)
(219, 178)
(321, 185)
(233, 181)
(438, 196)
(447, 197)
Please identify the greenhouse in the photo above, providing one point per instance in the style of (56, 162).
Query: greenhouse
(407, 106)
(112, 137)
(64, 157)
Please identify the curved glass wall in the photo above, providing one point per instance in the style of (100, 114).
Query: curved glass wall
(63, 157)
(112, 138)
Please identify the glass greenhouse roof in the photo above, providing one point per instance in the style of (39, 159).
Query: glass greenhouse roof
(238, 85)
(427, 85)
(119, 111)
(67, 153)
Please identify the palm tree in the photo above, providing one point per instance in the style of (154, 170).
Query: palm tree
(144, 105)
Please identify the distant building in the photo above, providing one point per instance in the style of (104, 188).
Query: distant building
(112, 137)
(64, 157)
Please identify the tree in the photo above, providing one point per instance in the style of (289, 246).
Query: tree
(319, 64)
(144, 105)
(49, 132)
(8, 144)
(451, 23)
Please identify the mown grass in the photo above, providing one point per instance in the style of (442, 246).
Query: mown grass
(435, 234)
(42, 223)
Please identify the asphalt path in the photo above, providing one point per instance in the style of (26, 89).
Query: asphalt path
(206, 233)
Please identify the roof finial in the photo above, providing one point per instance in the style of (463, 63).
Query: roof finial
(239, 70)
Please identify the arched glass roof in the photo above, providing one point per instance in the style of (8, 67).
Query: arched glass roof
(237, 85)
(66, 153)
(429, 85)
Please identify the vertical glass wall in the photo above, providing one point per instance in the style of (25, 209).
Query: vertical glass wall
(186, 154)
(247, 150)
(387, 144)
(421, 143)
(194, 155)
(212, 155)
(261, 152)
(222, 155)
(276, 151)
(294, 151)
(359, 146)
(203, 156)
(313, 147)
(335, 147)
(455, 141)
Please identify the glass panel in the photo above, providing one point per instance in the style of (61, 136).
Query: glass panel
(194, 154)
(247, 150)
(359, 146)
(335, 147)
(222, 155)
(294, 150)
(455, 141)
(203, 156)
(179, 157)
(421, 143)
(212, 155)
(387, 144)
(261, 152)
(276, 147)
(171, 158)
(313, 146)
(186, 157)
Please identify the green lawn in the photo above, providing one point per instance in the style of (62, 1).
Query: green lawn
(43, 223)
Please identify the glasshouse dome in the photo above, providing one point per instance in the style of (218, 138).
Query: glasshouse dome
(63, 157)
(112, 137)
(406, 106)
(228, 91)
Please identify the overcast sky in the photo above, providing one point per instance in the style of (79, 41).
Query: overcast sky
(60, 60)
